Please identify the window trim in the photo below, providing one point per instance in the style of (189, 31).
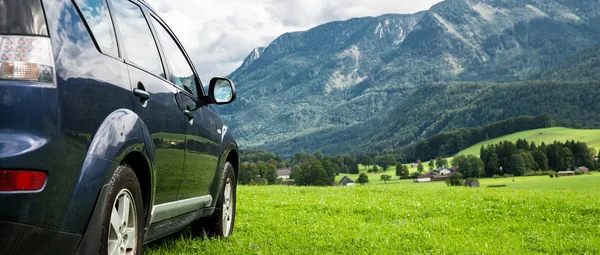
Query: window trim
(91, 34)
(199, 87)
(124, 55)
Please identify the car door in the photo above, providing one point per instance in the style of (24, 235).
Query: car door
(203, 129)
(156, 102)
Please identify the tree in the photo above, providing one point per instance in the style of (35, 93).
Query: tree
(385, 178)
(318, 155)
(271, 175)
(420, 168)
(441, 162)
(541, 160)
(469, 166)
(354, 169)
(414, 175)
(375, 169)
(319, 175)
(366, 160)
(299, 175)
(517, 165)
(493, 165)
(362, 179)
(385, 161)
(405, 172)
(567, 161)
(330, 168)
(246, 174)
(455, 179)
(530, 163)
(261, 167)
(431, 165)
(399, 169)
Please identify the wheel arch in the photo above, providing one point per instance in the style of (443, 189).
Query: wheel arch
(122, 137)
(234, 159)
(141, 167)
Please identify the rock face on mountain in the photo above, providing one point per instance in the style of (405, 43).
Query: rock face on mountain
(336, 84)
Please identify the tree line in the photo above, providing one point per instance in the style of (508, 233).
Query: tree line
(522, 157)
(502, 159)
(449, 143)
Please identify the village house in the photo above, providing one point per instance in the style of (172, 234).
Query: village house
(346, 181)
(584, 169)
(566, 173)
(284, 173)
(439, 174)
(440, 171)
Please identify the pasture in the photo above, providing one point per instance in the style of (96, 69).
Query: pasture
(547, 135)
(532, 215)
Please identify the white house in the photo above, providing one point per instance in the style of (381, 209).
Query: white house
(284, 173)
(423, 179)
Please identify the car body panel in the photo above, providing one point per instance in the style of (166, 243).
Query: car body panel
(202, 151)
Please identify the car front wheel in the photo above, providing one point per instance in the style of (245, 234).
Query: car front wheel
(221, 223)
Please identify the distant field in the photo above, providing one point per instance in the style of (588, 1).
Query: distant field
(547, 135)
(375, 178)
(532, 215)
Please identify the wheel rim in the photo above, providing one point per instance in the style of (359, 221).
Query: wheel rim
(227, 208)
(122, 234)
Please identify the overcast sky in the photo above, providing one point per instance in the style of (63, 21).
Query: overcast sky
(219, 34)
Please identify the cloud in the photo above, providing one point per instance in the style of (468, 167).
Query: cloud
(219, 34)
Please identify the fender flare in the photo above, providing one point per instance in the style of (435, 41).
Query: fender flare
(227, 146)
(122, 132)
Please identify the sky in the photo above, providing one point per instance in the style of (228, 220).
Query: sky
(219, 34)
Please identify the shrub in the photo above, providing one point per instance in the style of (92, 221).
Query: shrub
(362, 179)
(455, 179)
(578, 172)
(551, 176)
(497, 176)
(508, 175)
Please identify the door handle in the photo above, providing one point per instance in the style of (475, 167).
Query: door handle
(142, 94)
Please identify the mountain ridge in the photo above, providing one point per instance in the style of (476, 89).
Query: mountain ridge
(341, 79)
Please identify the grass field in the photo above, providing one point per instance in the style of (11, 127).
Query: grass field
(548, 135)
(532, 215)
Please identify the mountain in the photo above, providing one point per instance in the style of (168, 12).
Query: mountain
(305, 82)
(342, 86)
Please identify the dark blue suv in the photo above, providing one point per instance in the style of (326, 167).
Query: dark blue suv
(107, 137)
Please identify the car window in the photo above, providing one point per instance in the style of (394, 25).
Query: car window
(135, 35)
(182, 73)
(97, 17)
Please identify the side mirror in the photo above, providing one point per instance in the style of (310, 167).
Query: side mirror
(221, 91)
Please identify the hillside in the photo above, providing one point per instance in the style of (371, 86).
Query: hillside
(331, 88)
(447, 107)
(547, 135)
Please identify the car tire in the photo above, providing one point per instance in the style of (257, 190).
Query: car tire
(120, 234)
(220, 223)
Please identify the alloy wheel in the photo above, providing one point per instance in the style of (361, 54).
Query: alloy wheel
(227, 208)
(122, 234)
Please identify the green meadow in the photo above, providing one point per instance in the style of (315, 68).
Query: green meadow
(547, 135)
(531, 215)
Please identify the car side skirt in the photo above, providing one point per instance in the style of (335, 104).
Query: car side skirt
(170, 210)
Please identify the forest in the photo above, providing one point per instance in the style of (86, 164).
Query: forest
(522, 157)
